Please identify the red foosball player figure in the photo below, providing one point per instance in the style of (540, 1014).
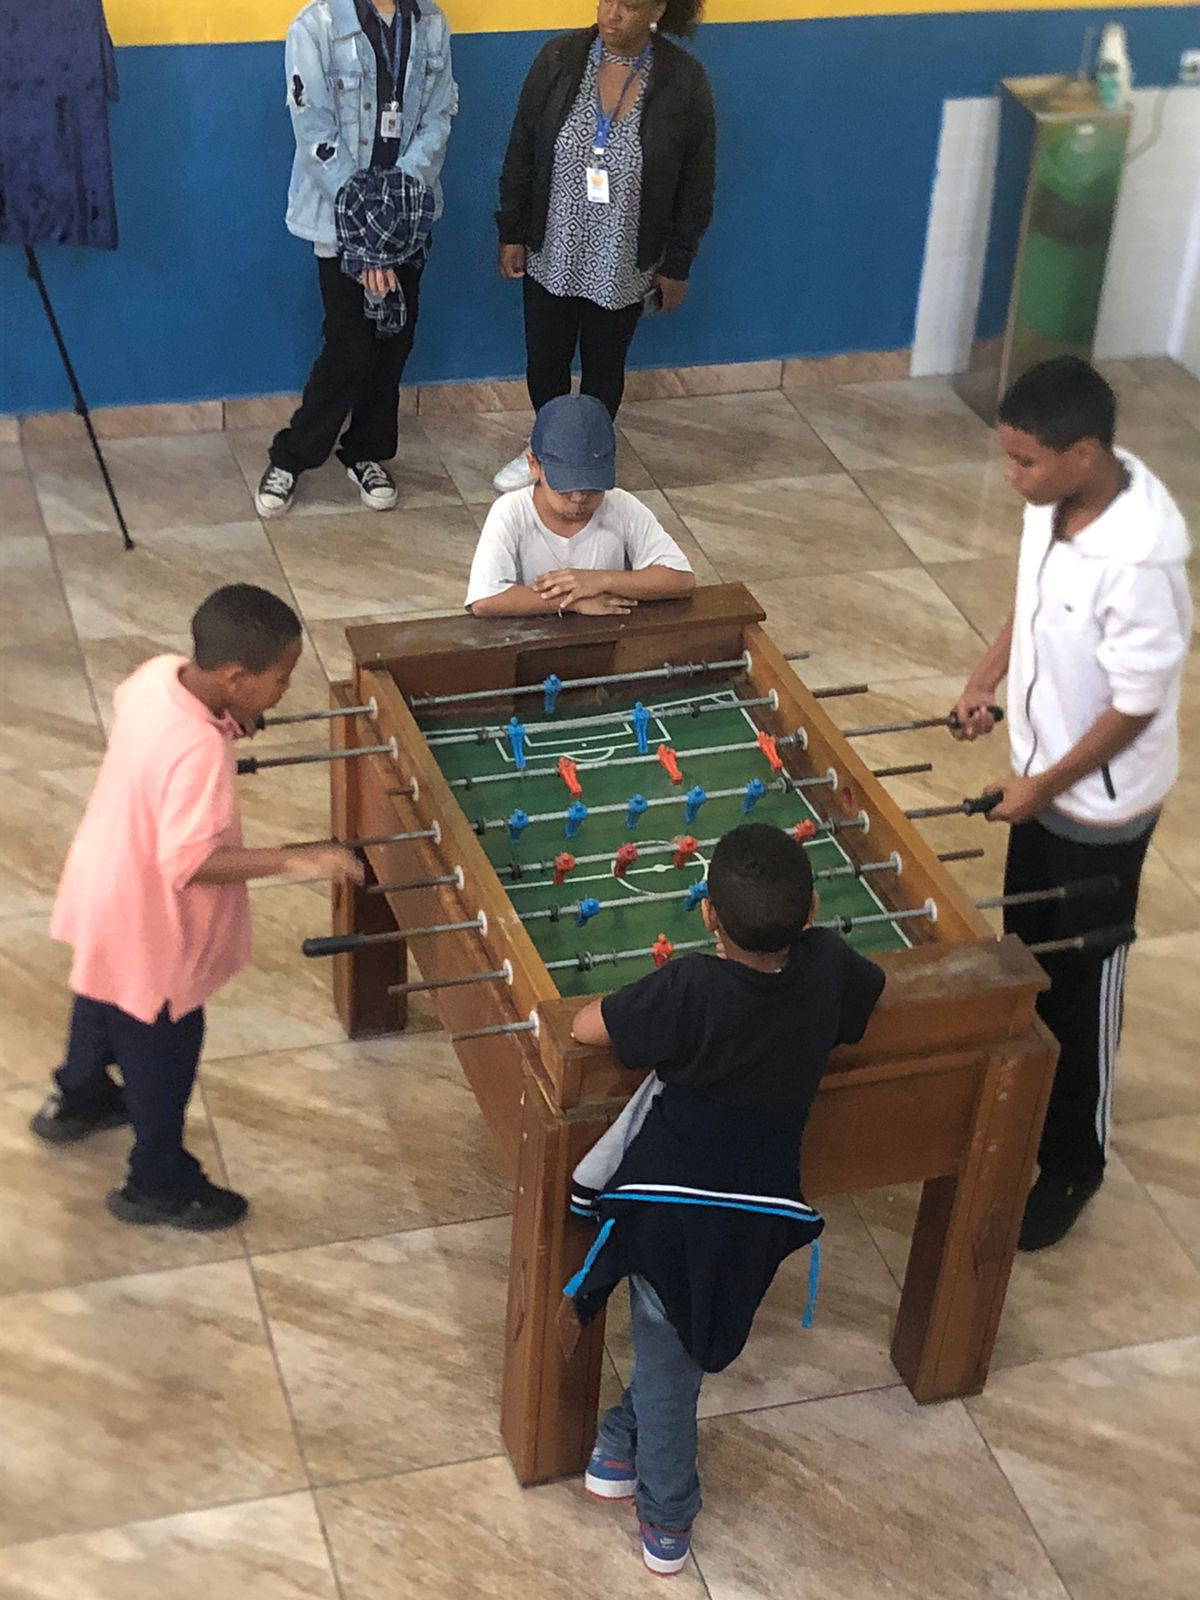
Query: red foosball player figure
(767, 744)
(570, 776)
(563, 863)
(803, 831)
(670, 761)
(685, 849)
(626, 856)
(662, 950)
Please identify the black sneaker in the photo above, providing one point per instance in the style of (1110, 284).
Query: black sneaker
(1053, 1208)
(57, 1123)
(206, 1212)
(375, 486)
(276, 489)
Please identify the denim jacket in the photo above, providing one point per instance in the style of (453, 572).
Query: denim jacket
(330, 69)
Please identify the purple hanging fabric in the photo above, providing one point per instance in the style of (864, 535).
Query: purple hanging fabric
(57, 77)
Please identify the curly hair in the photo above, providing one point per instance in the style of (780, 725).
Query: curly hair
(682, 17)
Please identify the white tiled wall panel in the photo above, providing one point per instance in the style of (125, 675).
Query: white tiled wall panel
(1151, 302)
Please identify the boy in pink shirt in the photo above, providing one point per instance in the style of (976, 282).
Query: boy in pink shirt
(154, 904)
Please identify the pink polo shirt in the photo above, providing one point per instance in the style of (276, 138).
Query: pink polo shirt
(143, 935)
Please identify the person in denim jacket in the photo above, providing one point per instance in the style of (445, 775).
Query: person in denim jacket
(368, 85)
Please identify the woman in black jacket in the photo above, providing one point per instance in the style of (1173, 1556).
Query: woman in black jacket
(606, 192)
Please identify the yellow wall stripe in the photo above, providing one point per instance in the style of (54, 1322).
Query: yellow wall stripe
(240, 21)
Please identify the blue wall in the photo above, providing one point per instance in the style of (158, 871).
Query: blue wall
(828, 137)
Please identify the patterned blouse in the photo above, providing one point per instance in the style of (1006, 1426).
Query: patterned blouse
(591, 250)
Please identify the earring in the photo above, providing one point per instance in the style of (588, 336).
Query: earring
(654, 27)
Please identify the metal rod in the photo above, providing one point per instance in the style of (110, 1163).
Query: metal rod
(1078, 889)
(504, 972)
(369, 710)
(339, 944)
(694, 708)
(849, 870)
(250, 764)
(688, 669)
(572, 909)
(783, 784)
(914, 725)
(1106, 939)
(961, 855)
(840, 691)
(796, 655)
(848, 924)
(434, 833)
(903, 772)
(979, 805)
(531, 1025)
(418, 883)
(651, 756)
(587, 959)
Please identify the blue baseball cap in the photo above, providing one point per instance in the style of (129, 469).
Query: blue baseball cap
(575, 444)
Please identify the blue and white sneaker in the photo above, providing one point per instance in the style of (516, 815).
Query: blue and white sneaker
(608, 1477)
(665, 1550)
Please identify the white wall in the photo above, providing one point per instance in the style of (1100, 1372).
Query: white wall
(1149, 306)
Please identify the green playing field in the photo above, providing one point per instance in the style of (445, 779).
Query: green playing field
(636, 918)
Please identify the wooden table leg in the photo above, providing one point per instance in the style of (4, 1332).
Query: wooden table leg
(551, 1382)
(966, 1232)
(362, 978)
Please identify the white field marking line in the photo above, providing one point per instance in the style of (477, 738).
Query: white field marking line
(609, 743)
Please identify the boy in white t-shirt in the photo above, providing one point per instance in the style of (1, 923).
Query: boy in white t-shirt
(573, 542)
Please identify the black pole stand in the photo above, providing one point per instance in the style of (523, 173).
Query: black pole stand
(81, 409)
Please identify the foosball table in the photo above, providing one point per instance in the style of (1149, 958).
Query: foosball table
(536, 800)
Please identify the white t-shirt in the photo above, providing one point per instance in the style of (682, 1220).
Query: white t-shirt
(516, 546)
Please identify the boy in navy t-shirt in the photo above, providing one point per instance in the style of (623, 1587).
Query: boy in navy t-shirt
(705, 1201)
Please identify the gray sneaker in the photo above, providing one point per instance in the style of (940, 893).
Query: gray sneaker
(58, 1123)
(375, 486)
(275, 492)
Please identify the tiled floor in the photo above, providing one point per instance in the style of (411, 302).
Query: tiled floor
(307, 1409)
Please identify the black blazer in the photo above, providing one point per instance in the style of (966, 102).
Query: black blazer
(678, 132)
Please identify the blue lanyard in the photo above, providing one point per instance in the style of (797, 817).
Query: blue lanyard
(604, 123)
(391, 42)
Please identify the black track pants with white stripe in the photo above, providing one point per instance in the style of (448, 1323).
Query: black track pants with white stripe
(1084, 1006)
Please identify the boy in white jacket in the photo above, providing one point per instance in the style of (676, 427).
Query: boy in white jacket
(1094, 653)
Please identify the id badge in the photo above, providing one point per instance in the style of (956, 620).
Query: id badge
(389, 122)
(597, 186)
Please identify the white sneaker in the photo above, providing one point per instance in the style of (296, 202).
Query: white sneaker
(375, 486)
(275, 491)
(515, 475)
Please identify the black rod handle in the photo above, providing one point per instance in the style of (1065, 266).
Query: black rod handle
(336, 944)
(995, 712)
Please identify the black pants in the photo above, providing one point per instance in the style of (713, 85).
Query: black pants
(1084, 1006)
(356, 375)
(555, 326)
(158, 1064)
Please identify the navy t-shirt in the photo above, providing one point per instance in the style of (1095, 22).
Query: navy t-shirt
(753, 1040)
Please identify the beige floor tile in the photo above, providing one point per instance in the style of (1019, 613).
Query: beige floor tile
(1119, 1278)
(793, 529)
(361, 563)
(474, 448)
(1059, 1430)
(1173, 383)
(845, 1349)
(337, 1143)
(859, 1497)
(288, 805)
(34, 1001)
(983, 591)
(159, 585)
(704, 565)
(1156, 1069)
(470, 1532)
(20, 512)
(47, 718)
(46, 807)
(57, 1232)
(909, 422)
(722, 437)
(391, 1347)
(1167, 903)
(421, 479)
(171, 481)
(958, 512)
(328, 635)
(281, 1001)
(261, 1550)
(1177, 838)
(138, 1397)
(33, 608)
(870, 627)
(1164, 1156)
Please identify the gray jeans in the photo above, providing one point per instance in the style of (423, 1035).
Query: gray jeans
(654, 1422)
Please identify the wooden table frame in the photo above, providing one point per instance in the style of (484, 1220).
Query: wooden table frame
(949, 1086)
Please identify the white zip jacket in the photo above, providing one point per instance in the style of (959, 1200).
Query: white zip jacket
(1102, 620)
